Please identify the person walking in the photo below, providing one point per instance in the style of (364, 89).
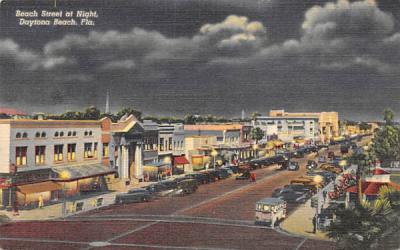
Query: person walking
(324, 193)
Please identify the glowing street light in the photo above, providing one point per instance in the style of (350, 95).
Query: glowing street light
(318, 180)
(214, 153)
(64, 176)
(342, 164)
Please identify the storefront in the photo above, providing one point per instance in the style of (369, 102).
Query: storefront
(157, 171)
(180, 162)
(30, 195)
(82, 178)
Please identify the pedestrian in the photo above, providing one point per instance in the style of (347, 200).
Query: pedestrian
(40, 201)
(314, 221)
(324, 193)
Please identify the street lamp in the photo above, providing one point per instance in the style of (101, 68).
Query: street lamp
(214, 153)
(64, 176)
(342, 164)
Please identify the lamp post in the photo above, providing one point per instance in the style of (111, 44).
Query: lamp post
(64, 176)
(317, 179)
(342, 164)
(214, 153)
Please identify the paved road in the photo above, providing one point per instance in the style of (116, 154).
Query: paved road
(218, 216)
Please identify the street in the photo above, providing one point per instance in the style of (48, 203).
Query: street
(222, 212)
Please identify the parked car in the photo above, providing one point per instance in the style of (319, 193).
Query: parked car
(199, 177)
(188, 186)
(344, 149)
(213, 174)
(293, 197)
(223, 173)
(133, 195)
(311, 165)
(299, 153)
(293, 166)
(235, 169)
(243, 176)
(161, 189)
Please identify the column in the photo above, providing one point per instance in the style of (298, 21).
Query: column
(138, 162)
(119, 162)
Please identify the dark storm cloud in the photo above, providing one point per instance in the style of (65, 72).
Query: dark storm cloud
(343, 52)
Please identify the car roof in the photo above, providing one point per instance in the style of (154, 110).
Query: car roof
(271, 201)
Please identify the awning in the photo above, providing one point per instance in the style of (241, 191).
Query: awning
(39, 187)
(180, 160)
(71, 173)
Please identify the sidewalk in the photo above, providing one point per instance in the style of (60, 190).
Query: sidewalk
(89, 203)
(300, 222)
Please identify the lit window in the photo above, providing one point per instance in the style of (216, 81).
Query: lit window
(88, 154)
(105, 149)
(95, 150)
(40, 152)
(71, 151)
(58, 152)
(20, 155)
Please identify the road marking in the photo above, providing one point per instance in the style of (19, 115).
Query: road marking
(300, 244)
(133, 231)
(43, 240)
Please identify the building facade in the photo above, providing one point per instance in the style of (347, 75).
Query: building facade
(39, 158)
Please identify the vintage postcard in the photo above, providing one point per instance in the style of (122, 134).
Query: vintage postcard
(199, 124)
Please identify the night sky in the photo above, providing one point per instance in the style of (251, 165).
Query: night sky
(173, 57)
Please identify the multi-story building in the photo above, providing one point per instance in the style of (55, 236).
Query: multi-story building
(165, 142)
(37, 156)
(150, 142)
(286, 126)
(233, 141)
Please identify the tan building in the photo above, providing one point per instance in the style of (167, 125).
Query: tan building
(327, 122)
(197, 149)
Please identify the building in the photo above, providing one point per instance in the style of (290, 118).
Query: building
(127, 144)
(11, 113)
(311, 127)
(232, 141)
(150, 142)
(197, 150)
(40, 158)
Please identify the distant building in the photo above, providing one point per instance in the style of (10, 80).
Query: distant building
(6, 113)
(313, 127)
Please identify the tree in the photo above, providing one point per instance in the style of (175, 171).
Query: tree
(388, 116)
(386, 142)
(129, 111)
(257, 134)
(365, 126)
(189, 119)
(254, 115)
(72, 115)
(372, 225)
(91, 113)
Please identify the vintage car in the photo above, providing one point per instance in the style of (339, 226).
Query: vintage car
(269, 211)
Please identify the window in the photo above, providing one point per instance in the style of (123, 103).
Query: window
(105, 149)
(61, 133)
(220, 138)
(25, 135)
(90, 132)
(161, 144)
(69, 133)
(20, 156)
(43, 134)
(74, 133)
(88, 154)
(58, 152)
(95, 150)
(170, 143)
(40, 152)
(37, 135)
(56, 134)
(18, 135)
(71, 152)
(86, 133)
